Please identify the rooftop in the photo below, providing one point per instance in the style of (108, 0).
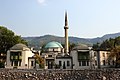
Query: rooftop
(18, 46)
(53, 44)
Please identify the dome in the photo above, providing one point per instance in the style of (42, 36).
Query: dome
(53, 45)
(81, 47)
(19, 46)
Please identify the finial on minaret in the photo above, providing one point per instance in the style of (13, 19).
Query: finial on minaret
(66, 21)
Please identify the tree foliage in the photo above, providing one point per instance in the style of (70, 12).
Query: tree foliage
(8, 39)
(39, 60)
(71, 46)
(95, 46)
(108, 44)
(115, 54)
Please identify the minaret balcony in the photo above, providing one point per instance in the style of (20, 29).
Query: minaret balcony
(65, 27)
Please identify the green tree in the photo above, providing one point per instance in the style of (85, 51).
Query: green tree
(96, 46)
(108, 44)
(39, 60)
(43, 48)
(115, 54)
(8, 39)
(117, 41)
(71, 46)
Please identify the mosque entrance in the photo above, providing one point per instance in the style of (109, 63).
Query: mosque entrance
(50, 63)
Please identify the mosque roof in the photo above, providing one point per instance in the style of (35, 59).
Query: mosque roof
(19, 46)
(53, 44)
(63, 56)
(81, 47)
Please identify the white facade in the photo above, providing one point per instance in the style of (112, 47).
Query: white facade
(97, 59)
(49, 59)
(17, 57)
(85, 63)
(82, 57)
(64, 62)
(31, 63)
(104, 61)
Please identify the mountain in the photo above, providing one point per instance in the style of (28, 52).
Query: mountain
(40, 41)
(111, 35)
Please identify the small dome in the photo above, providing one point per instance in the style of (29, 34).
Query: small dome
(81, 47)
(19, 46)
(53, 45)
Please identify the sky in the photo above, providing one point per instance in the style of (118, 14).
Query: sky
(86, 18)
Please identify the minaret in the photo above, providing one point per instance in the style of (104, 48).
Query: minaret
(66, 34)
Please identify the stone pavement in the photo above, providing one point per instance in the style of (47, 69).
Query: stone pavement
(30, 74)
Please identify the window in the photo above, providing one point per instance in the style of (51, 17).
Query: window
(16, 63)
(83, 55)
(16, 57)
(20, 54)
(103, 54)
(96, 62)
(46, 63)
(25, 64)
(50, 49)
(64, 67)
(113, 62)
(55, 50)
(95, 54)
(49, 55)
(87, 63)
(19, 63)
(31, 63)
(11, 57)
(60, 63)
(79, 63)
(20, 57)
(11, 63)
(108, 62)
(107, 54)
(68, 63)
(83, 63)
(103, 62)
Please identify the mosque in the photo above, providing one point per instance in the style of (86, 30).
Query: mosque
(54, 54)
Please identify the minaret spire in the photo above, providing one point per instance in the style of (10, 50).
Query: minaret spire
(66, 21)
(66, 33)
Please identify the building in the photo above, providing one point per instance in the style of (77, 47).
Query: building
(57, 56)
(64, 61)
(54, 53)
(103, 60)
(81, 57)
(51, 50)
(20, 56)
